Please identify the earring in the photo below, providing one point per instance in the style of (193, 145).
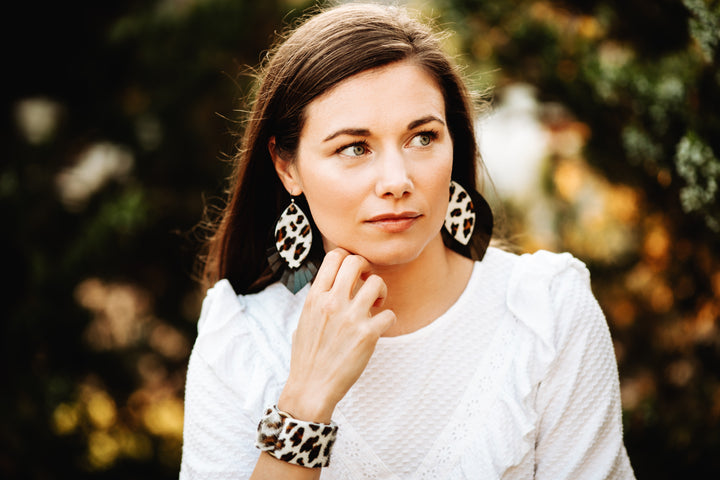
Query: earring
(468, 222)
(292, 243)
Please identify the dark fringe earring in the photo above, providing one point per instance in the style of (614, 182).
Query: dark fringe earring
(289, 256)
(468, 222)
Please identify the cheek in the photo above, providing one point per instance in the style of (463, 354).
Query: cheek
(438, 182)
(332, 202)
(440, 199)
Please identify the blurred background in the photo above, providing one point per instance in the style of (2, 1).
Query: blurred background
(602, 135)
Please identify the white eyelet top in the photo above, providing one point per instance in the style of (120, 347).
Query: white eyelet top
(517, 380)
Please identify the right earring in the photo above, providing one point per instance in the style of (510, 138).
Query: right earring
(292, 244)
(468, 222)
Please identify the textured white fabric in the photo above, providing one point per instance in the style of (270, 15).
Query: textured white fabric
(517, 380)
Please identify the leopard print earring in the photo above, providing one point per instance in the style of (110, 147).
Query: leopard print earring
(292, 244)
(468, 222)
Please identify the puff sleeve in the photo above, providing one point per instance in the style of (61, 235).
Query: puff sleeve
(579, 431)
(225, 374)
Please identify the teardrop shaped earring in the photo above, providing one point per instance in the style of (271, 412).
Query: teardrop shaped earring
(293, 241)
(468, 222)
(460, 215)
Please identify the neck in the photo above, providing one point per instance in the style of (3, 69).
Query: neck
(423, 289)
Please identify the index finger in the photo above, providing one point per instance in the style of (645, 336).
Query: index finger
(328, 270)
(350, 275)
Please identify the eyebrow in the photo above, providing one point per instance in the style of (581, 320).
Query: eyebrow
(364, 132)
(354, 132)
(422, 121)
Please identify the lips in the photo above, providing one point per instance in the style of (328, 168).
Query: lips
(394, 216)
(394, 222)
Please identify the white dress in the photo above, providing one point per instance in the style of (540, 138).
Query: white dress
(517, 380)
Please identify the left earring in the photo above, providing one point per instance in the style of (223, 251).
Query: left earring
(468, 222)
(292, 243)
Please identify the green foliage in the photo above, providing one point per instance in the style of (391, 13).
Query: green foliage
(700, 168)
(705, 25)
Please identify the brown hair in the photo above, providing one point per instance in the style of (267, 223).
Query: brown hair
(324, 50)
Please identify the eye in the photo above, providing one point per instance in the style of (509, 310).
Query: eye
(423, 139)
(355, 150)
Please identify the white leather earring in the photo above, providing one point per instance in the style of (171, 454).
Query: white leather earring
(293, 239)
(460, 216)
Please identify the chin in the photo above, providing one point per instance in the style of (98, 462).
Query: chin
(390, 255)
(390, 260)
(390, 252)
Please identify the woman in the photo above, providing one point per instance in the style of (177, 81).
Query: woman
(410, 349)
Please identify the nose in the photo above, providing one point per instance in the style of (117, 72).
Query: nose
(393, 177)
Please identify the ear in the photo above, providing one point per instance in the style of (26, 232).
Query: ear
(285, 169)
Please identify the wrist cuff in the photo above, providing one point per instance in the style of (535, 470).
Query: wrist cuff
(307, 444)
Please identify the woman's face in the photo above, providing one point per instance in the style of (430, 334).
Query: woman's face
(374, 162)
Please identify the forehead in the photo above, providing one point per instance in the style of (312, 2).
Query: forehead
(375, 99)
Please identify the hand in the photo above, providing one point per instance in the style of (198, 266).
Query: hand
(335, 337)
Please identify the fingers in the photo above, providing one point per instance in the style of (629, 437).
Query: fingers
(340, 271)
(372, 292)
(349, 274)
(328, 270)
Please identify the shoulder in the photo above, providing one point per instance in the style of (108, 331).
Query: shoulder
(239, 335)
(550, 295)
(271, 309)
(532, 275)
(540, 265)
(543, 275)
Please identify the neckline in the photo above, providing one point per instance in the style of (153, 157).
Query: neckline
(444, 318)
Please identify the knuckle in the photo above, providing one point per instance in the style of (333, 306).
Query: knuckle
(333, 255)
(329, 305)
(375, 281)
(356, 261)
(366, 332)
(386, 319)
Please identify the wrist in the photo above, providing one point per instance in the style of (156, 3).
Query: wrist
(306, 405)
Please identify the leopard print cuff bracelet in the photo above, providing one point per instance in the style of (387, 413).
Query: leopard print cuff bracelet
(307, 444)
